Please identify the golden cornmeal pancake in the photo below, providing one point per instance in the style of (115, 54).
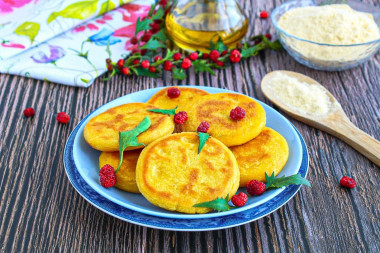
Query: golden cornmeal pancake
(102, 131)
(186, 98)
(215, 109)
(126, 176)
(268, 153)
(171, 174)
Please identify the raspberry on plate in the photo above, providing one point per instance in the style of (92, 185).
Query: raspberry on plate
(237, 114)
(174, 92)
(203, 127)
(239, 199)
(107, 176)
(63, 118)
(255, 187)
(180, 118)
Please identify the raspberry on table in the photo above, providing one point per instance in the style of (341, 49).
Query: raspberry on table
(255, 187)
(174, 92)
(63, 118)
(264, 14)
(203, 127)
(180, 118)
(239, 199)
(237, 113)
(29, 112)
(347, 182)
(107, 176)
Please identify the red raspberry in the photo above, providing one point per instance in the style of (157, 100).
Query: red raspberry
(146, 37)
(29, 112)
(180, 118)
(157, 58)
(152, 69)
(177, 56)
(214, 55)
(237, 113)
(347, 182)
(186, 63)
(264, 14)
(155, 27)
(174, 92)
(134, 40)
(193, 56)
(168, 65)
(239, 199)
(235, 56)
(63, 118)
(224, 52)
(107, 176)
(268, 36)
(109, 67)
(136, 61)
(203, 127)
(205, 56)
(145, 64)
(255, 187)
(108, 61)
(125, 71)
(220, 63)
(120, 63)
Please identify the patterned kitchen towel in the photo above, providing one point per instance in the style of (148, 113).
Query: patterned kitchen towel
(75, 57)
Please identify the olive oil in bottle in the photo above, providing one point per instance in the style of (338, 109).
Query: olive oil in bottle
(193, 24)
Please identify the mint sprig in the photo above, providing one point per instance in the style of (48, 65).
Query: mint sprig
(218, 204)
(273, 182)
(203, 137)
(164, 111)
(129, 138)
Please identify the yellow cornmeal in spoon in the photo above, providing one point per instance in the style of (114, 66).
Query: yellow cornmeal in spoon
(335, 24)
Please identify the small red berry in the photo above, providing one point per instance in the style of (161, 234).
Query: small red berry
(205, 56)
(107, 176)
(203, 127)
(152, 69)
(239, 199)
(134, 40)
(224, 52)
(63, 118)
(257, 41)
(237, 113)
(143, 51)
(214, 55)
(168, 65)
(255, 187)
(136, 61)
(269, 37)
(109, 67)
(108, 61)
(155, 27)
(193, 56)
(174, 92)
(125, 71)
(177, 56)
(347, 182)
(29, 112)
(157, 58)
(145, 64)
(135, 51)
(146, 37)
(120, 63)
(180, 118)
(220, 63)
(186, 63)
(264, 14)
(235, 56)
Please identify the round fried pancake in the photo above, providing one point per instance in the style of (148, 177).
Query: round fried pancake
(102, 131)
(126, 176)
(171, 174)
(215, 109)
(187, 97)
(268, 153)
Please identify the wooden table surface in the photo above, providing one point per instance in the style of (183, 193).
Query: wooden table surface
(41, 212)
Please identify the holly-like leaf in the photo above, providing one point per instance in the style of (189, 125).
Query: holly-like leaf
(178, 74)
(276, 45)
(203, 137)
(145, 72)
(250, 51)
(79, 10)
(164, 111)
(160, 36)
(201, 66)
(158, 15)
(142, 25)
(273, 182)
(153, 44)
(29, 29)
(219, 45)
(129, 138)
(218, 204)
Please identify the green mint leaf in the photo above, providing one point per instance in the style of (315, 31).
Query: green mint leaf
(218, 204)
(220, 45)
(142, 25)
(250, 51)
(203, 137)
(145, 72)
(129, 138)
(296, 179)
(153, 44)
(201, 66)
(164, 111)
(161, 36)
(178, 74)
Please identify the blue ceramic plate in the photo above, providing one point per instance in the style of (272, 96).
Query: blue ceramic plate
(81, 162)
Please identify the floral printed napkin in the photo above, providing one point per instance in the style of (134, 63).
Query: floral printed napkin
(73, 57)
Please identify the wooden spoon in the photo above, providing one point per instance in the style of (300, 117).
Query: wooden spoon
(334, 122)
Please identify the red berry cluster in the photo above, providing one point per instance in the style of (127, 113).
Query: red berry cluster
(61, 116)
(107, 176)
